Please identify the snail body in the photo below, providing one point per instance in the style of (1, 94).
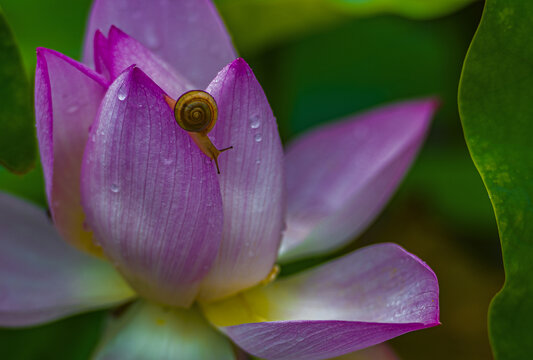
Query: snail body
(196, 112)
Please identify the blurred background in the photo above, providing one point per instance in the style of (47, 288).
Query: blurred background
(318, 64)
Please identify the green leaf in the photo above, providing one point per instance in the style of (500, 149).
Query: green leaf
(416, 9)
(30, 186)
(258, 24)
(73, 338)
(17, 133)
(497, 114)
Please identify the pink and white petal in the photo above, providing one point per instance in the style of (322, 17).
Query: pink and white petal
(41, 277)
(340, 176)
(377, 352)
(67, 96)
(251, 183)
(187, 34)
(359, 300)
(149, 331)
(150, 195)
(120, 51)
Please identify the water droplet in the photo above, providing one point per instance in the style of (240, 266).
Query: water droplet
(255, 121)
(114, 188)
(258, 161)
(258, 138)
(167, 161)
(122, 93)
(72, 109)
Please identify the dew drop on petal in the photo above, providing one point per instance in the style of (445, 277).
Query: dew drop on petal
(255, 121)
(258, 137)
(114, 188)
(72, 109)
(122, 93)
(258, 161)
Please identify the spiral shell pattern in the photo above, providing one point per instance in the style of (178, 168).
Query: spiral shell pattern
(196, 111)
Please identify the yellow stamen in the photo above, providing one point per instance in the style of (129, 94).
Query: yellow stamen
(272, 275)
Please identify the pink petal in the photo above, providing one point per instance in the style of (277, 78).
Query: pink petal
(67, 96)
(251, 182)
(340, 176)
(120, 51)
(150, 195)
(101, 55)
(41, 277)
(188, 34)
(376, 352)
(359, 300)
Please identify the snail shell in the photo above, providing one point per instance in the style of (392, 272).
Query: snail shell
(196, 112)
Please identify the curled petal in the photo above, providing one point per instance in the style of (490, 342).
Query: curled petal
(67, 96)
(150, 195)
(119, 51)
(149, 331)
(101, 55)
(340, 176)
(41, 277)
(187, 34)
(359, 300)
(251, 183)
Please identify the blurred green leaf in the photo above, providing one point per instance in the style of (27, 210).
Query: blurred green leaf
(54, 24)
(30, 186)
(497, 112)
(17, 133)
(73, 338)
(259, 24)
(417, 9)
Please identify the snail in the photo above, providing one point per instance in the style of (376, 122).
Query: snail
(196, 112)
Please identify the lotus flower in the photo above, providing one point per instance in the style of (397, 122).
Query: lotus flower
(193, 252)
